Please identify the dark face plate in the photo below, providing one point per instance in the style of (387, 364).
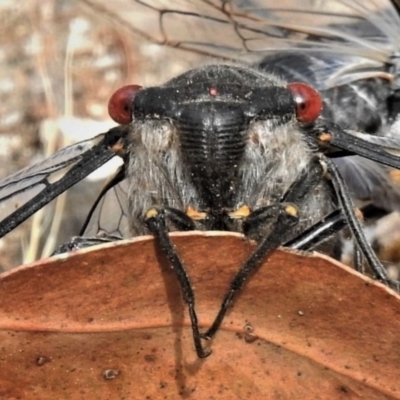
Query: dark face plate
(211, 109)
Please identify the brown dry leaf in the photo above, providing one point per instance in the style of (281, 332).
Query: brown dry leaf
(109, 323)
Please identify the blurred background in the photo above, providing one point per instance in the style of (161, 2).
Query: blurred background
(60, 61)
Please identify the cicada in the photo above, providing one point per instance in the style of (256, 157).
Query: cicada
(291, 119)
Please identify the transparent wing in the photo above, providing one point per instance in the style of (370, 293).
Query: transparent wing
(355, 39)
(110, 214)
(369, 183)
(32, 179)
(389, 144)
(28, 190)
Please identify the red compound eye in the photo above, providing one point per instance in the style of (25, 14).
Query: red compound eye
(308, 102)
(120, 104)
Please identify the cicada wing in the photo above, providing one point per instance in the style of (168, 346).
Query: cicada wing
(110, 214)
(350, 40)
(203, 27)
(354, 39)
(387, 143)
(25, 192)
(40, 173)
(370, 183)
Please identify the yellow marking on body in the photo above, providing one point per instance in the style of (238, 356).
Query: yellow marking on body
(119, 148)
(325, 137)
(242, 212)
(151, 213)
(292, 210)
(195, 215)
